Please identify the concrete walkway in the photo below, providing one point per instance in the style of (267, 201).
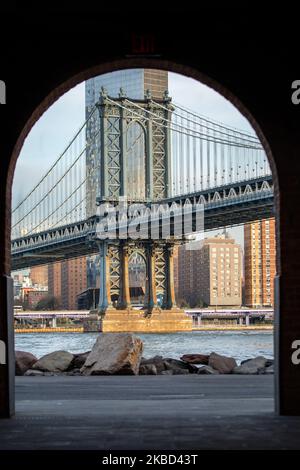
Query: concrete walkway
(147, 412)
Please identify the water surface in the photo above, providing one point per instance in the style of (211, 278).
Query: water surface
(238, 344)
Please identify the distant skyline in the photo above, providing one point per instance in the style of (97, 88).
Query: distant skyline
(50, 135)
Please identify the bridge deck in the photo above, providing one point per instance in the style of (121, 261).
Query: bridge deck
(146, 412)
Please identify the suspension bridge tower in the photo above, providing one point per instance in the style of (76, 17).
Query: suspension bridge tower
(134, 171)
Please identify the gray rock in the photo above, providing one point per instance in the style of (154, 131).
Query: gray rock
(32, 373)
(222, 364)
(148, 369)
(269, 370)
(24, 361)
(158, 361)
(207, 370)
(246, 360)
(79, 360)
(114, 353)
(251, 366)
(58, 361)
(166, 372)
(269, 362)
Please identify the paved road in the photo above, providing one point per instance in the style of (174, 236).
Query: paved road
(147, 412)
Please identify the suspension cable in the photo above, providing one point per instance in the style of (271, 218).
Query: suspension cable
(233, 131)
(56, 161)
(185, 118)
(190, 132)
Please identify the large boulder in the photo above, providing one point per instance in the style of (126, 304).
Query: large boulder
(195, 358)
(58, 361)
(24, 361)
(222, 364)
(114, 353)
(251, 366)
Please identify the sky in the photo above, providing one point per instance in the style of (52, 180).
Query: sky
(51, 134)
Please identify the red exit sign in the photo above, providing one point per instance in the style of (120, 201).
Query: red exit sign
(143, 44)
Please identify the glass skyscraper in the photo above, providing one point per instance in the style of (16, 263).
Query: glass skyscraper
(134, 82)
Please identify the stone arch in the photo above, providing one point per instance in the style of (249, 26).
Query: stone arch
(136, 160)
(137, 279)
(34, 112)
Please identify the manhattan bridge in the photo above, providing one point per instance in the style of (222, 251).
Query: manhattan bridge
(147, 151)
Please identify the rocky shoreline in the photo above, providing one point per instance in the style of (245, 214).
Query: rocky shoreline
(121, 354)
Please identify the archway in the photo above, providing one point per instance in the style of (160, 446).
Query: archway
(136, 162)
(143, 63)
(137, 278)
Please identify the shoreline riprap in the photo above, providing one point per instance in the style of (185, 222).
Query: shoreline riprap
(121, 354)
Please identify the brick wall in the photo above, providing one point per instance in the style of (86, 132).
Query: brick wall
(38, 70)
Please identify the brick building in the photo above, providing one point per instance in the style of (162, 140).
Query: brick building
(210, 272)
(73, 281)
(31, 297)
(156, 81)
(67, 279)
(54, 280)
(39, 275)
(260, 263)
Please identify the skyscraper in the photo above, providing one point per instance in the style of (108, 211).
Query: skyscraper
(260, 262)
(134, 82)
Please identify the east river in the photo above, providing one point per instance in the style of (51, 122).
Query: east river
(238, 344)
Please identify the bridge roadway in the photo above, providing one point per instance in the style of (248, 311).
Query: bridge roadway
(230, 205)
(148, 413)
